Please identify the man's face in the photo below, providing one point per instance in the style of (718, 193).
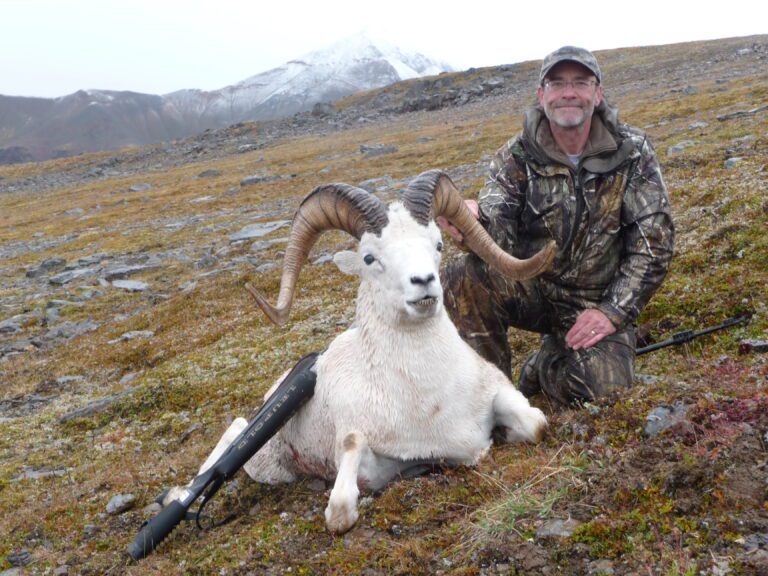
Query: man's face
(569, 95)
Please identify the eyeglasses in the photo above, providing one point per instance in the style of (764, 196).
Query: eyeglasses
(578, 85)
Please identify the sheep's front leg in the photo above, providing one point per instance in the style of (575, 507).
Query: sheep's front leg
(234, 430)
(523, 422)
(341, 513)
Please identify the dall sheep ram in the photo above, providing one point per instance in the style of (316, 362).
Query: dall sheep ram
(399, 389)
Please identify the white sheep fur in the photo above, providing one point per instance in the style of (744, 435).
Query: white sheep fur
(396, 390)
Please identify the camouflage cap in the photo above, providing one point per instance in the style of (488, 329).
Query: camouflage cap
(572, 54)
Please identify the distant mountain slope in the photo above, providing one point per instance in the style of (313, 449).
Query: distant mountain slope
(352, 65)
(94, 120)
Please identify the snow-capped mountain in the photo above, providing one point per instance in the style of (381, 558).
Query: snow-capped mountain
(351, 65)
(93, 120)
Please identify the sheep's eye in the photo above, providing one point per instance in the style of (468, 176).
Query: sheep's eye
(439, 246)
(369, 259)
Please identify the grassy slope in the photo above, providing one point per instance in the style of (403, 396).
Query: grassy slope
(213, 356)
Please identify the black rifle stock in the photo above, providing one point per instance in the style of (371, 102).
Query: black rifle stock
(295, 389)
(688, 335)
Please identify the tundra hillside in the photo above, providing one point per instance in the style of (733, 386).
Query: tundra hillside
(127, 340)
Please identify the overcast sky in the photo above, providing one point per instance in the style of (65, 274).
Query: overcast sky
(55, 47)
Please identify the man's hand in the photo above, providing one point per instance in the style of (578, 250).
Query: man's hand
(590, 327)
(454, 232)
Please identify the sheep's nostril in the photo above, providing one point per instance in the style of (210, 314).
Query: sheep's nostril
(422, 281)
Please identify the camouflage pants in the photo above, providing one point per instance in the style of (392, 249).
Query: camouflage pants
(483, 305)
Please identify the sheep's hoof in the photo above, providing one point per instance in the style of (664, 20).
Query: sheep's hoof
(538, 426)
(531, 427)
(340, 518)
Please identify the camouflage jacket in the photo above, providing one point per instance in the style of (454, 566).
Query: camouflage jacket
(610, 215)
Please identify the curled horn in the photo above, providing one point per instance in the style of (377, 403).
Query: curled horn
(330, 207)
(432, 194)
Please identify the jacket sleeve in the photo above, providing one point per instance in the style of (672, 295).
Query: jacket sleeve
(502, 198)
(648, 241)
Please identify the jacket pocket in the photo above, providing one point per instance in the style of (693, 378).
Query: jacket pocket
(547, 211)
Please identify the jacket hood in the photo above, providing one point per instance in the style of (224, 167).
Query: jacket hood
(606, 147)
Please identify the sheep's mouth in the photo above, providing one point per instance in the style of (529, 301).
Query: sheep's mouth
(424, 303)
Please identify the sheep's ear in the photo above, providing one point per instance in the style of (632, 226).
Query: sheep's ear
(348, 262)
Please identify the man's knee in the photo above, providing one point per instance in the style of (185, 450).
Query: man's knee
(577, 376)
(598, 374)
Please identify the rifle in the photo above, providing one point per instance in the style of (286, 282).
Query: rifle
(688, 335)
(293, 391)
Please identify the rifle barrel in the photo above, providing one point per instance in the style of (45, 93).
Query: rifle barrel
(688, 335)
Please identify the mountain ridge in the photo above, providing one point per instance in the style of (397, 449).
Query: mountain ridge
(96, 120)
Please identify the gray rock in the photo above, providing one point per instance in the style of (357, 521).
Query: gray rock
(11, 572)
(11, 325)
(120, 503)
(71, 329)
(698, 124)
(424, 139)
(70, 275)
(731, 163)
(257, 230)
(97, 406)
(140, 188)
(742, 113)
(66, 380)
(557, 528)
(601, 568)
(30, 473)
(201, 199)
(680, 147)
(261, 245)
(248, 148)
(664, 417)
(755, 542)
(132, 335)
(88, 294)
(61, 303)
(90, 529)
(600, 441)
(207, 261)
(120, 271)
(259, 179)
(323, 259)
(129, 377)
(46, 266)
(209, 174)
(50, 264)
(17, 347)
(646, 379)
(74, 212)
(131, 285)
(377, 184)
(52, 316)
(62, 570)
(371, 150)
